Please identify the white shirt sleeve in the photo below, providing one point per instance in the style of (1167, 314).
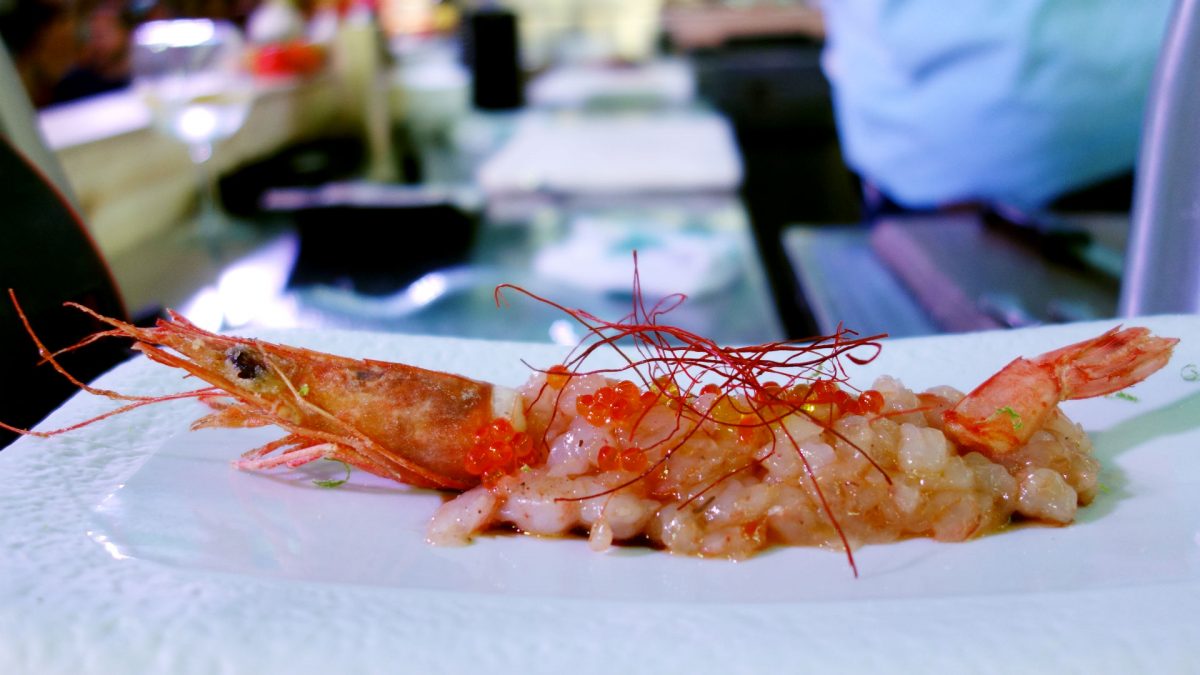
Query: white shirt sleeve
(1016, 101)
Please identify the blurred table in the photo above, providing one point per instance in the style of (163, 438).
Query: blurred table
(557, 200)
(245, 284)
(169, 269)
(460, 300)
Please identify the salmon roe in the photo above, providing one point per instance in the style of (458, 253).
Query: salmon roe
(498, 450)
(824, 391)
(630, 459)
(827, 392)
(871, 402)
(749, 428)
(557, 376)
(768, 393)
(613, 404)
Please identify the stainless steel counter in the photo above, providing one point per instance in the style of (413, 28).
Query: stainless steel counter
(926, 274)
(844, 282)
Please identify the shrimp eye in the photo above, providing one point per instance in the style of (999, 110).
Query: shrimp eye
(249, 365)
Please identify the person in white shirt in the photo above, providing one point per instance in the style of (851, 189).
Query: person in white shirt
(990, 101)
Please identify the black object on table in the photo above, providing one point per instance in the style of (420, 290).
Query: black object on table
(47, 259)
(374, 239)
(493, 56)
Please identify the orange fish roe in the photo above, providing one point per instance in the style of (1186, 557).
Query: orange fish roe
(770, 392)
(630, 459)
(827, 392)
(557, 376)
(750, 429)
(613, 404)
(499, 450)
(824, 391)
(870, 402)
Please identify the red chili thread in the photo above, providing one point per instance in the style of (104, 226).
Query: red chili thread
(679, 365)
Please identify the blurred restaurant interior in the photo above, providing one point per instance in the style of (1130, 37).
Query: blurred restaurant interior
(907, 168)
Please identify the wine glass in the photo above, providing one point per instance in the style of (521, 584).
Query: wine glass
(191, 74)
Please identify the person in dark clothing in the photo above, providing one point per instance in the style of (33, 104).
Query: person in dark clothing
(104, 59)
(40, 35)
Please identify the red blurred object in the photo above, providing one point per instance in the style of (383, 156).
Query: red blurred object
(288, 58)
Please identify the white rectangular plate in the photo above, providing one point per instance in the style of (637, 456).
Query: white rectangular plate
(132, 545)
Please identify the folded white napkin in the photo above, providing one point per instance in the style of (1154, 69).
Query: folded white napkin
(669, 81)
(685, 151)
(597, 255)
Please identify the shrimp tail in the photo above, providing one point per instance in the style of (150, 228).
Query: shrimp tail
(1108, 363)
(1004, 412)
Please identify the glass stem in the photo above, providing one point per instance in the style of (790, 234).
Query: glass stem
(209, 216)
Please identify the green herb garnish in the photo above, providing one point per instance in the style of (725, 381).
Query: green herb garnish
(334, 482)
(1125, 396)
(304, 389)
(1012, 414)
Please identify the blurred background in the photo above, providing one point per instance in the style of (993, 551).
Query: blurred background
(895, 166)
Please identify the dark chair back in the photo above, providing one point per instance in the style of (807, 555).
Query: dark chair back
(47, 258)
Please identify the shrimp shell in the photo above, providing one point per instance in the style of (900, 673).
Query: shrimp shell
(1002, 414)
(398, 421)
